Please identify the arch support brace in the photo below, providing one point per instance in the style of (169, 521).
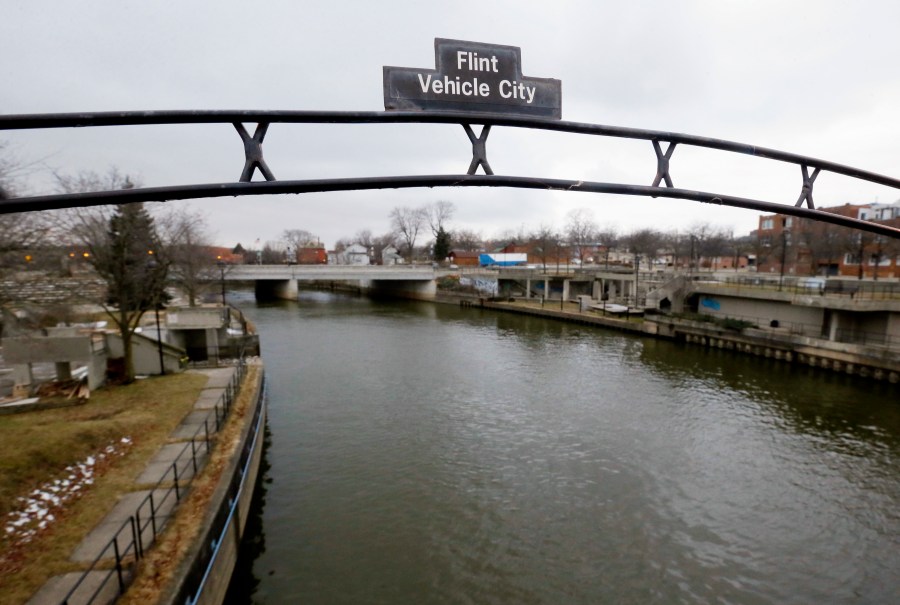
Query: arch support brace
(479, 151)
(253, 152)
(807, 189)
(662, 164)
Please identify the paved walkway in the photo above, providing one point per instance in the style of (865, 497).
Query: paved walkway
(151, 507)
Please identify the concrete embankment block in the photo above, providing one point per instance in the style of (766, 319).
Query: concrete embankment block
(99, 538)
(161, 464)
(104, 583)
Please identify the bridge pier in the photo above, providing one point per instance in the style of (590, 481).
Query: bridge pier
(417, 289)
(280, 289)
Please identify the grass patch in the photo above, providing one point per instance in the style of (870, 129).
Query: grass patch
(156, 572)
(36, 448)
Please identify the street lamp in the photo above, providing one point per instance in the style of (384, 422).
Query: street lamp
(162, 366)
(221, 265)
(637, 275)
(151, 264)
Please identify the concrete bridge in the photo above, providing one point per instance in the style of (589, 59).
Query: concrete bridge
(280, 281)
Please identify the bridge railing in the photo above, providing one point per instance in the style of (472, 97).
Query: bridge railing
(327, 272)
(845, 289)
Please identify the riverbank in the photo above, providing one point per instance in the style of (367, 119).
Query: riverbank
(65, 468)
(146, 523)
(435, 454)
(866, 361)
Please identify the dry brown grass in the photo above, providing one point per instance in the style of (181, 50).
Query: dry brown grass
(36, 447)
(156, 571)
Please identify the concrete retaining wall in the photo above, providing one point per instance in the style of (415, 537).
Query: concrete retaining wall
(203, 577)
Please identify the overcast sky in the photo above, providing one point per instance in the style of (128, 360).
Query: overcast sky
(814, 78)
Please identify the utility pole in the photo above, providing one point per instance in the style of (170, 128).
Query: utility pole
(221, 264)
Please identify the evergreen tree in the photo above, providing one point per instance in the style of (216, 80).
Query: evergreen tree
(441, 245)
(129, 258)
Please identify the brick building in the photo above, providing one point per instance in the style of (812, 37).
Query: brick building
(798, 246)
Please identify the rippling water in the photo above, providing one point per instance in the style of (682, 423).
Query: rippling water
(424, 454)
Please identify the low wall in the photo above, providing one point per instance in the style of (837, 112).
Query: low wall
(865, 361)
(205, 573)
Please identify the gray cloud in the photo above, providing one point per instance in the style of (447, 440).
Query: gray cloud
(812, 80)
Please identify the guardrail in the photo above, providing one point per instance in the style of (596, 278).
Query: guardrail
(203, 564)
(842, 336)
(127, 544)
(843, 288)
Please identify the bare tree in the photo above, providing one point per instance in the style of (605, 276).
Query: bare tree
(406, 223)
(439, 213)
(271, 256)
(364, 238)
(677, 245)
(544, 243)
(125, 249)
(644, 243)
(380, 243)
(89, 180)
(19, 232)
(609, 239)
(13, 171)
(825, 244)
(466, 239)
(9, 168)
(581, 231)
(739, 246)
(22, 230)
(193, 267)
(510, 235)
(707, 241)
(298, 238)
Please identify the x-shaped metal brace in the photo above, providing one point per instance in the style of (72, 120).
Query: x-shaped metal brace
(662, 164)
(253, 152)
(807, 189)
(479, 152)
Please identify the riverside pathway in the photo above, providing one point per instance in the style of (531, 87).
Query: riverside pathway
(55, 590)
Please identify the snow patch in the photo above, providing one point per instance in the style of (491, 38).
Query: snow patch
(34, 512)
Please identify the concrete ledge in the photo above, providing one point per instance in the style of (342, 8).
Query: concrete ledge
(104, 583)
(192, 425)
(99, 538)
(161, 463)
(219, 378)
(209, 398)
(210, 535)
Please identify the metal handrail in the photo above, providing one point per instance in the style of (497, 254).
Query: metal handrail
(235, 489)
(134, 521)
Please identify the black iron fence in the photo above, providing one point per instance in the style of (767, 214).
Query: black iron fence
(112, 566)
(211, 543)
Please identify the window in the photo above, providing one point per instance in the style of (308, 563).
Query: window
(788, 222)
(851, 259)
(767, 223)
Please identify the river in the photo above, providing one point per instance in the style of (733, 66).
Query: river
(422, 453)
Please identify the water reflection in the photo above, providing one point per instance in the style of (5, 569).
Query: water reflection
(244, 582)
(431, 454)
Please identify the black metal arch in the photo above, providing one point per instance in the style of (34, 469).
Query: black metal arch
(263, 119)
